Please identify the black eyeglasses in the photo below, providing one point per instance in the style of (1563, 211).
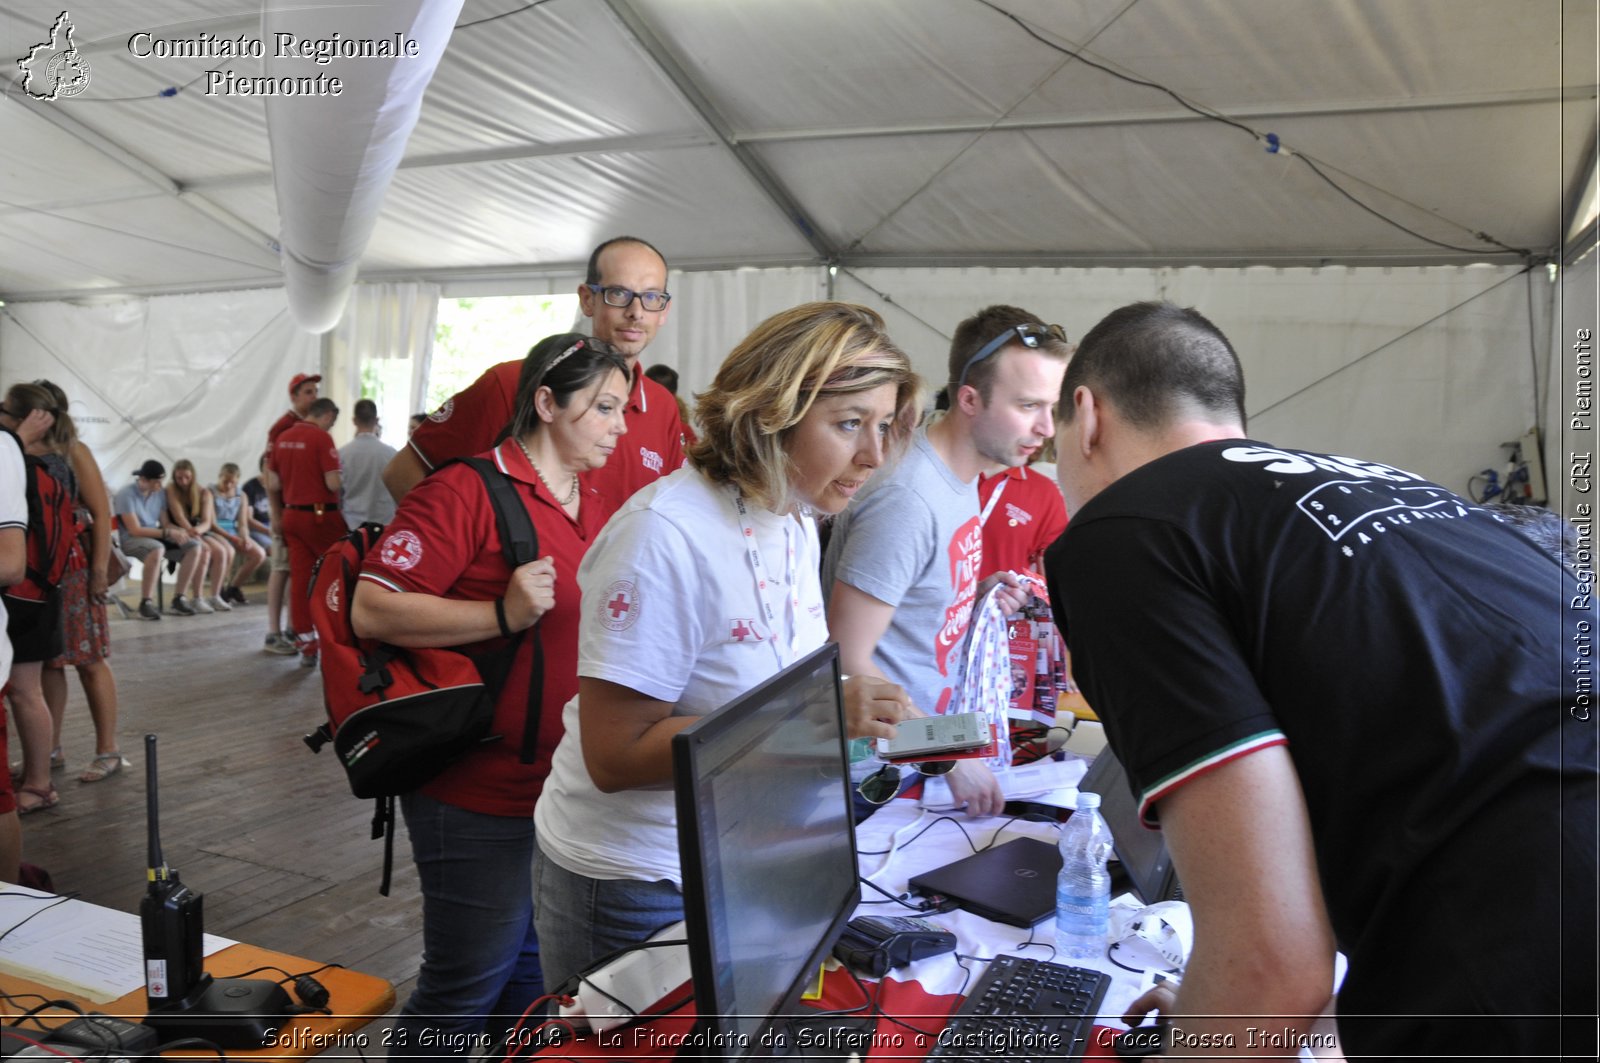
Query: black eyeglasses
(1025, 334)
(614, 296)
(884, 783)
(8, 413)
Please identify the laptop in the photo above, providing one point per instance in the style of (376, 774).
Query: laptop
(1013, 883)
(1141, 853)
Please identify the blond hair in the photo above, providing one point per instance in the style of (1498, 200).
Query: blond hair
(196, 500)
(771, 379)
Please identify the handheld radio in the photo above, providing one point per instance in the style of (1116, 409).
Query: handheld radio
(184, 1000)
(171, 917)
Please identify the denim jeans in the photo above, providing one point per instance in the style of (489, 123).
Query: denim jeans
(581, 919)
(477, 904)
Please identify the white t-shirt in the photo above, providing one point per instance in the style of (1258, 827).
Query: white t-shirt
(671, 609)
(13, 514)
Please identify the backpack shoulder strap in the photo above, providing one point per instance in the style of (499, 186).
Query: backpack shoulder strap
(521, 544)
(517, 535)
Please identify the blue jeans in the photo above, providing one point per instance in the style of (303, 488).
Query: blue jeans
(581, 919)
(477, 906)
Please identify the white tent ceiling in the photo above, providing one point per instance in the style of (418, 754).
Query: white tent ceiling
(864, 132)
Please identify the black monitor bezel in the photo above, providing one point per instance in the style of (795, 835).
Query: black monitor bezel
(1151, 876)
(711, 1027)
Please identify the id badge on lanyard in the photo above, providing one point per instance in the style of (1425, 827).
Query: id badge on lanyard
(767, 582)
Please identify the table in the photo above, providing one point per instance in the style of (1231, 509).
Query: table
(355, 998)
(921, 995)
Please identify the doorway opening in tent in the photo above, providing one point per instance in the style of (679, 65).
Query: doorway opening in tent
(474, 334)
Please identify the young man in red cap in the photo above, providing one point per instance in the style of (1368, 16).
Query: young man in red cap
(625, 293)
(307, 467)
(302, 393)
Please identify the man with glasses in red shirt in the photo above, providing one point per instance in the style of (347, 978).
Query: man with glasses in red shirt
(625, 293)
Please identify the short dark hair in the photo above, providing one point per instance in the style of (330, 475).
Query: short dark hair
(365, 412)
(1550, 531)
(664, 375)
(1151, 359)
(979, 329)
(593, 274)
(322, 406)
(549, 364)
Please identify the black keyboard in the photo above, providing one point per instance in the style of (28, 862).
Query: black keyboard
(1024, 1009)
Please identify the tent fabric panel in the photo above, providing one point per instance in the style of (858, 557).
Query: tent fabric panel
(121, 244)
(1367, 47)
(692, 203)
(814, 63)
(539, 78)
(1141, 189)
(188, 376)
(45, 164)
(942, 60)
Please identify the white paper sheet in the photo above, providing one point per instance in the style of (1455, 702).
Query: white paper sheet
(80, 948)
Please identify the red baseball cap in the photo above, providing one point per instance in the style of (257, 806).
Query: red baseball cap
(303, 378)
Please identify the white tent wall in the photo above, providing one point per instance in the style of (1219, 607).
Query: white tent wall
(712, 311)
(181, 376)
(1426, 368)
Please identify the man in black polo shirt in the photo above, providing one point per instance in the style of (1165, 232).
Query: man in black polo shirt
(1343, 693)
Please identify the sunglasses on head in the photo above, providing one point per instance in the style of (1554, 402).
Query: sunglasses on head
(884, 783)
(1026, 334)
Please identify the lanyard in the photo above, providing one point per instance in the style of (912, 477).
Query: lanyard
(988, 507)
(765, 581)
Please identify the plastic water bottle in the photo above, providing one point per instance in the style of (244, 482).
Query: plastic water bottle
(1083, 891)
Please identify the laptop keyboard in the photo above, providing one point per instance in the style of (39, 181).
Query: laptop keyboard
(1022, 1009)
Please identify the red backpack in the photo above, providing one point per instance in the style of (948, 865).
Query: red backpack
(397, 716)
(52, 533)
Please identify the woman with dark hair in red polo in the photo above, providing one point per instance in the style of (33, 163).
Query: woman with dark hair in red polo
(439, 578)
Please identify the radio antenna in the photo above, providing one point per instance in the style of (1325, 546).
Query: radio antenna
(158, 865)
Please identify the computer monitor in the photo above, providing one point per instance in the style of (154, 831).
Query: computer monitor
(1142, 852)
(767, 844)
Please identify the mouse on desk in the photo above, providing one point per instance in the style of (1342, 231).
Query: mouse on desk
(1140, 1042)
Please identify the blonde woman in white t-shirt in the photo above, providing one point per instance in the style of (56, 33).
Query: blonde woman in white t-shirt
(675, 623)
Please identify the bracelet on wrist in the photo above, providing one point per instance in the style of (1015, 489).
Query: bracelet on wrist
(500, 618)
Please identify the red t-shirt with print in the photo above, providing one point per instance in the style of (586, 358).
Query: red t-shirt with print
(300, 457)
(1027, 517)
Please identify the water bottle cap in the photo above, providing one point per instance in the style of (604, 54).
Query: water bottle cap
(1088, 799)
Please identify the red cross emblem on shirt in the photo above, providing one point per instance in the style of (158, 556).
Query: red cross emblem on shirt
(744, 629)
(620, 605)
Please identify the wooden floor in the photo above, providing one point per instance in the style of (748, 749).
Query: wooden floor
(267, 832)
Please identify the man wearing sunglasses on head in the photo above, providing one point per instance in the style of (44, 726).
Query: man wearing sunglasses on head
(625, 294)
(902, 564)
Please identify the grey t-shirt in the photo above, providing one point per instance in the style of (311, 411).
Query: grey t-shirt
(912, 538)
(361, 464)
(148, 508)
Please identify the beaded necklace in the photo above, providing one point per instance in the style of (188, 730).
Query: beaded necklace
(572, 495)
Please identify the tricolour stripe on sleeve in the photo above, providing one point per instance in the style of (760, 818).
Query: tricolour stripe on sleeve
(1164, 786)
(382, 582)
